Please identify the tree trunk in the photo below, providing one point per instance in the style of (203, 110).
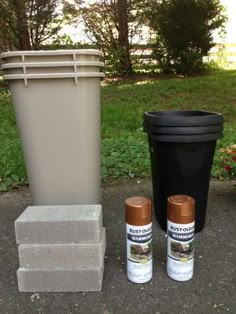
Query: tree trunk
(125, 63)
(22, 26)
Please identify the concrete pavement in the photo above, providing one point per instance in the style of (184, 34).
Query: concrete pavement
(212, 289)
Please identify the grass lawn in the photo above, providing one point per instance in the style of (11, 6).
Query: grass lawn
(124, 145)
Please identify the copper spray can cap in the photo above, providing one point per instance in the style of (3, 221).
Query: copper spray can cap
(138, 211)
(181, 209)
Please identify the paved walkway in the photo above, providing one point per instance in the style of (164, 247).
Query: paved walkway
(212, 290)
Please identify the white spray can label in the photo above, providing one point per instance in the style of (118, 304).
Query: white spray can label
(180, 252)
(139, 253)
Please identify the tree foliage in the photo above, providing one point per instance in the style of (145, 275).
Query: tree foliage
(43, 20)
(184, 32)
(183, 29)
(27, 24)
(106, 24)
(111, 25)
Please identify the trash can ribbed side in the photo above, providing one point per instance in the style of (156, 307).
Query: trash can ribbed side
(57, 109)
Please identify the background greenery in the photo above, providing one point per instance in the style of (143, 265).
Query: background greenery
(177, 34)
(124, 145)
(175, 49)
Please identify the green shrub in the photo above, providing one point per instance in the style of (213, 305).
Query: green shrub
(224, 166)
(184, 32)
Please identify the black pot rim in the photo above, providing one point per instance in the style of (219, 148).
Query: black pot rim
(190, 130)
(183, 118)
(193, 138)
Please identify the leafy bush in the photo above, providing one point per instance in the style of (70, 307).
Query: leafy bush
(184, 32)
(225, 163)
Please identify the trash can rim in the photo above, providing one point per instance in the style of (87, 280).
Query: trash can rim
(52, 75)
(51, 52)
(51, 64)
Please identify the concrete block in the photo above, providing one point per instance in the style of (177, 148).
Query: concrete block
(77, 255)
(59, 224)
(56, 280)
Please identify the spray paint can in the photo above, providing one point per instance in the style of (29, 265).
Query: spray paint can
(138, 219)
(180, 228)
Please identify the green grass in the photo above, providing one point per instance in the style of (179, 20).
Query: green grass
(123, 104)
(12, 169)
(124, 145)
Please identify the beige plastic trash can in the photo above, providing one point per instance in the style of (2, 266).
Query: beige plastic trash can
(56, 97)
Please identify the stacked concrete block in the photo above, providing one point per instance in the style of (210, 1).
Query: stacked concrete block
(61, 248)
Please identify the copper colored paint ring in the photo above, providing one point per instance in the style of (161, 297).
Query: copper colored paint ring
(138, 211)
(181, 209)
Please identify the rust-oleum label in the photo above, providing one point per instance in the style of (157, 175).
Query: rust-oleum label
(180, 252)
(139, 253)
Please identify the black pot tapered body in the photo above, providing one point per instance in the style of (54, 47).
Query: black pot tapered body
(181, 168)
(182, 151)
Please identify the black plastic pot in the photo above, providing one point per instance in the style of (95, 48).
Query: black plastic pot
(182, 146)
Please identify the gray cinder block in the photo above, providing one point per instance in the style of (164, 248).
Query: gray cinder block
(55, 280)
(77, 255)
(59, 224)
